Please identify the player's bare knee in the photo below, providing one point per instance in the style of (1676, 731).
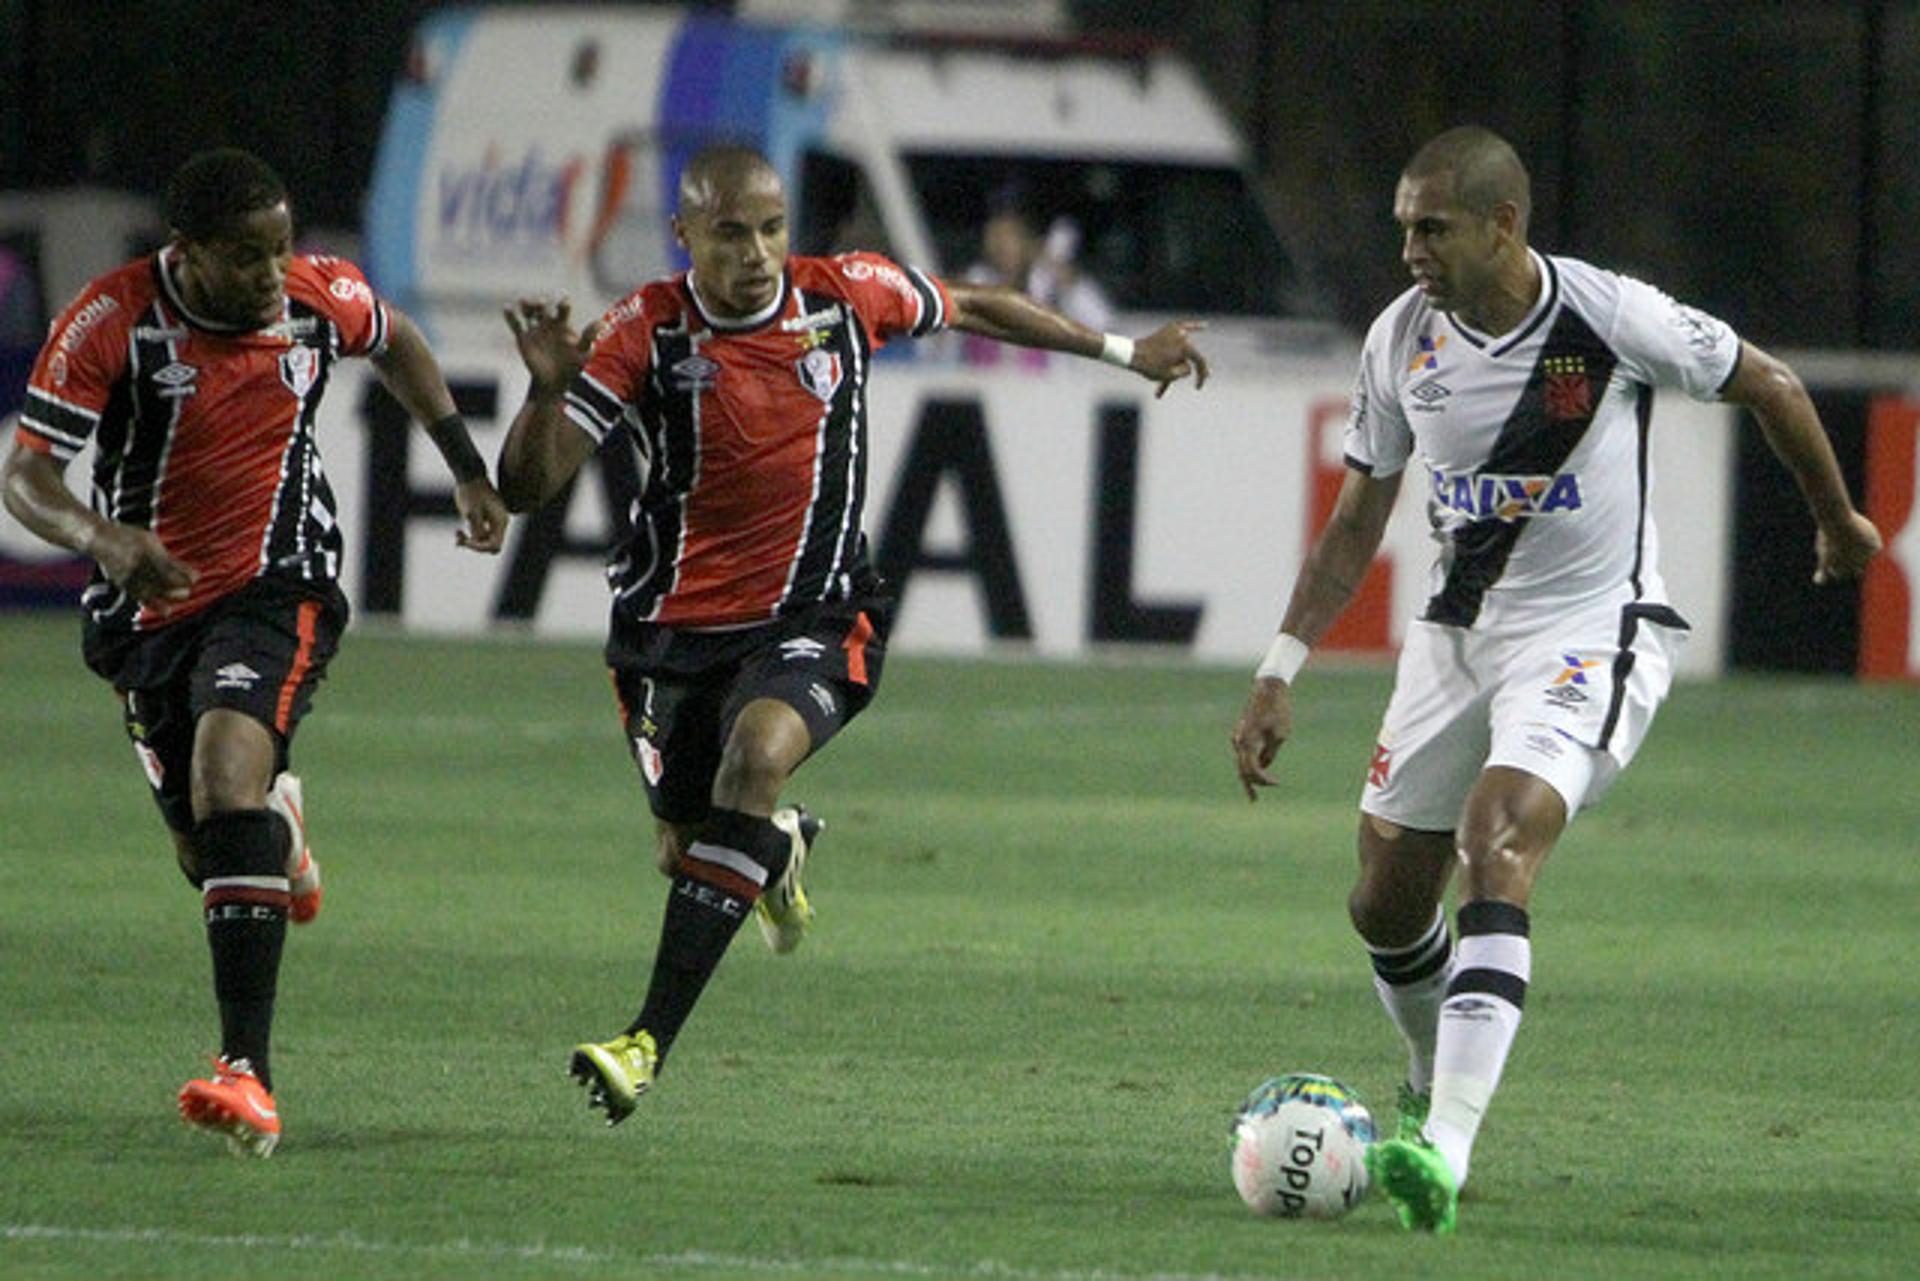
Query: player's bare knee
(217, 789)
(1385, 918)
(753, 769)
(1403, 872)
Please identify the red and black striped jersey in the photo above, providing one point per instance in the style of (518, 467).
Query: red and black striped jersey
(753, 434)
(202, 433)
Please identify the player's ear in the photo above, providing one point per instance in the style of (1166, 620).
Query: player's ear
(679, 232)
(1506, 216)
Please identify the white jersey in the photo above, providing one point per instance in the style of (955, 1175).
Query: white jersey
(1536, 440)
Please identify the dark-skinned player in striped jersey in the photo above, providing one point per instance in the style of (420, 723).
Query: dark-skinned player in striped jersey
(1524, 383)
(748, 625)
(196, 373)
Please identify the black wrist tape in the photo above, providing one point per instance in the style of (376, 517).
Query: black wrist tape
(456, 446)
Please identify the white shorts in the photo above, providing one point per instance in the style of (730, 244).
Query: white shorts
(1570, 704)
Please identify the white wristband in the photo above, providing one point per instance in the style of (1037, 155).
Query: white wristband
(1283, 659)
(1117, 350)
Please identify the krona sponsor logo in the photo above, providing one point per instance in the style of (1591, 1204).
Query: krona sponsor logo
(86, 318)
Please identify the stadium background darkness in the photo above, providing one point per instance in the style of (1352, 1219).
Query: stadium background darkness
(1753, 156)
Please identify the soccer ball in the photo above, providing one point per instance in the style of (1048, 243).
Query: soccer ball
(1299, 1148)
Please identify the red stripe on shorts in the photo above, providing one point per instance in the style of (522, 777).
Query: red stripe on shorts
(856, 646)
(302, 660)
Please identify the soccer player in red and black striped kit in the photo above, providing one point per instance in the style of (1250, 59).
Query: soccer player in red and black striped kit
(196, 373)
(748, 625)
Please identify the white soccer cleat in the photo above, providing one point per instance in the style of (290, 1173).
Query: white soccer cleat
(303, 870)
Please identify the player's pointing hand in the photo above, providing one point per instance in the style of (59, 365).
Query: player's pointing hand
(1167, 355)
(1265, 724)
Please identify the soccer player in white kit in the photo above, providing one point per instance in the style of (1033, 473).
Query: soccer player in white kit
(1524, 383)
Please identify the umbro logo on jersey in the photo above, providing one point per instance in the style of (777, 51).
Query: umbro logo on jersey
(801, 648)
(1484, 496)
(695, 373)
(235, 676)
(1429, 394)
(176, 379)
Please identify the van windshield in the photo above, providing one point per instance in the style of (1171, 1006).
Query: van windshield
(1152, 237)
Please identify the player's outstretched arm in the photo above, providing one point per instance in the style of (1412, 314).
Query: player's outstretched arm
(410, 372)
(543, 450)
(997, 311)
(1773, 393)
(1328, 580)
(133, 558)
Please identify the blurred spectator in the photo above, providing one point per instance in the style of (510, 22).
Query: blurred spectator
(1013, 253)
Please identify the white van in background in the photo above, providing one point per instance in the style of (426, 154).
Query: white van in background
(538, 150)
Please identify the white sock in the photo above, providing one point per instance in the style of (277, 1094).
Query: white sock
(1412, 981)
(1477, 1025)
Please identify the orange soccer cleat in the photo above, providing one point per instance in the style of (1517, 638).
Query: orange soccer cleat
(235, 1106)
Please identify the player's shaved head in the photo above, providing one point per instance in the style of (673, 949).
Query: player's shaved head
(723, 169)
(1486, 170)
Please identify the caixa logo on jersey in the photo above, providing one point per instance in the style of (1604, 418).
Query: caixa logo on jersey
(1486, 495)
(502, 203)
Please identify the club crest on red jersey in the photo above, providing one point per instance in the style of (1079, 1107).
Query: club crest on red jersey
(820, 372)
(299, 369)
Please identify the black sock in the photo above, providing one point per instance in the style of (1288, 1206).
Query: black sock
(243, 865)
(735, 857)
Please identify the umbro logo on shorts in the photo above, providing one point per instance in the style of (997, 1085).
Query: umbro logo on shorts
(235, 676)
(801, 648)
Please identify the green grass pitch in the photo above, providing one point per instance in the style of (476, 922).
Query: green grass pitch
(1054, 948)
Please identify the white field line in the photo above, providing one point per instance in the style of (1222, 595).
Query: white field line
(584, 1256)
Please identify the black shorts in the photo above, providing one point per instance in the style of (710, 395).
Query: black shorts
(681, 690)
(259, 651)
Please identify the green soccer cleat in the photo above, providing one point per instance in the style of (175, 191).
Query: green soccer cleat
(1414, 1176)
(783, 912)
(616, 1073)
(1413, 1106)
